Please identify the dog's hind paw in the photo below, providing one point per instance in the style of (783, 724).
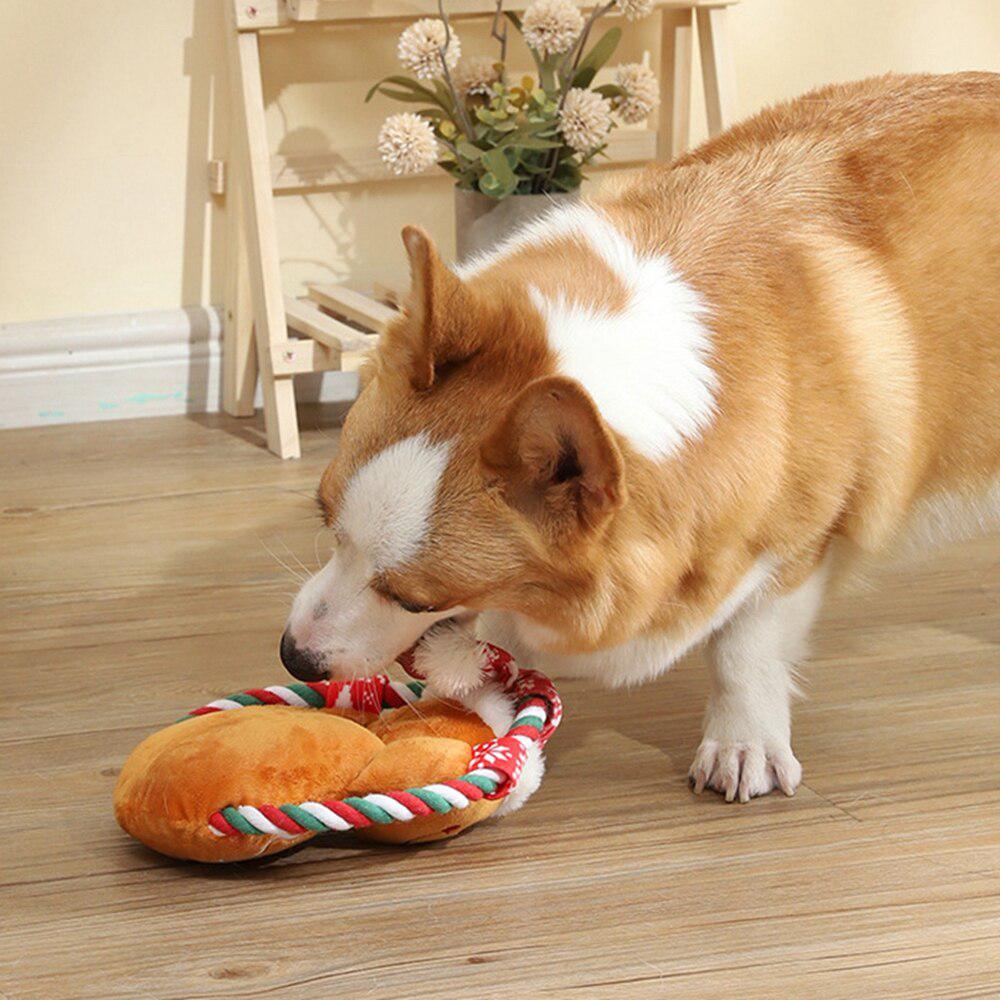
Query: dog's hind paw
(744, 770)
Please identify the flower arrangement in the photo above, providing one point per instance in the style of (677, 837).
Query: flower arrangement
(503, 137)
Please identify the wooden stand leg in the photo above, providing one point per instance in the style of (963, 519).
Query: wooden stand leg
(239, 357)
(253, 156)
(676, 51)
(717, 69)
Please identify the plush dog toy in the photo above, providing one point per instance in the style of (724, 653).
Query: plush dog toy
(369, 755)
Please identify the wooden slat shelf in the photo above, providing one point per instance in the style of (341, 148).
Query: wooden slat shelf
(306, 318)
(353, 306)
(298, 357)
(259, 317)
(362, 164)
(257, 15)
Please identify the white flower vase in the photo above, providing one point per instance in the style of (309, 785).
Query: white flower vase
(481, 222)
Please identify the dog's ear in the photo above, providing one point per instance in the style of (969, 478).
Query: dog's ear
(556, 458)
(435, 332)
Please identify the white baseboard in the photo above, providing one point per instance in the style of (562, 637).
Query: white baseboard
(86, 368)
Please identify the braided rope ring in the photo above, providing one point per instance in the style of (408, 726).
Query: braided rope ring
(493, 773)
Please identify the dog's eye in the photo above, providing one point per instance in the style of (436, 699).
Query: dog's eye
(324, 511)
(413, 609)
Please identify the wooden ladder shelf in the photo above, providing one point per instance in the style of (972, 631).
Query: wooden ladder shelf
(335, 325)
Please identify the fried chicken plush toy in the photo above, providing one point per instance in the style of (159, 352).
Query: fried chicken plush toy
(373, 756)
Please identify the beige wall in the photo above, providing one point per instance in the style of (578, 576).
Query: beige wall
(108, 113)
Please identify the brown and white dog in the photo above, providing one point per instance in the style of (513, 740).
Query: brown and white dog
(673, 414)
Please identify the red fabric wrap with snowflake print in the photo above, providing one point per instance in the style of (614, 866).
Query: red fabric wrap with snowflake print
(524, 685)
(505, 755)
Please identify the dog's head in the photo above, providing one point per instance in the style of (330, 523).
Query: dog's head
(470, 477)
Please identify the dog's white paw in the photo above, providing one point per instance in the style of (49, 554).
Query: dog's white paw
(745, 769)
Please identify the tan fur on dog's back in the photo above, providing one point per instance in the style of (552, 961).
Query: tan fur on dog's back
(908, 240)
(850, 247)
(922, 169)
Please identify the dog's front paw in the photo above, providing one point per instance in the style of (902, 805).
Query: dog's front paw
(744, 769)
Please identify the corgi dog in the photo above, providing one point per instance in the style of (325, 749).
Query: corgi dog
(679, 412)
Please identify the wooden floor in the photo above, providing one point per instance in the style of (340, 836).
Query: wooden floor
(136, 582)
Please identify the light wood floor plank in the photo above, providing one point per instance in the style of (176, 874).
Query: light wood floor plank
(136, 582)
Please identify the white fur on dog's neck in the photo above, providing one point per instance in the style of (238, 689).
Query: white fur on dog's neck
(634, 662)
(646, 366)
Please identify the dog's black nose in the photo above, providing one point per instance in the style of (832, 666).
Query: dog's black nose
(300, 663)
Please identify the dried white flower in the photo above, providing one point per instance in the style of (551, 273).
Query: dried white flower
(420, 45)
(474, 75)
(632, 10)
(551, 26)
(585, 119)
(407, 144)
(642, 92)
